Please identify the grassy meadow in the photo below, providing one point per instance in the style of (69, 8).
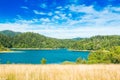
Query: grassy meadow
(60, 72)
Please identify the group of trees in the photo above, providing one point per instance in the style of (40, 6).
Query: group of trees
(96, 43)
(31, 40)
(105, 56)
(34, 40)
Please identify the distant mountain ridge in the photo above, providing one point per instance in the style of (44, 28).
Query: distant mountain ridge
(9, 33)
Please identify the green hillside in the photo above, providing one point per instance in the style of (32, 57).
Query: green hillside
(32, 40)
(9, 33)
(97, 42)
(35, 40)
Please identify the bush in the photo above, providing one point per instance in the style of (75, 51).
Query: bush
(8, 62)
(102, 56)
(43, 61)
(78, 60)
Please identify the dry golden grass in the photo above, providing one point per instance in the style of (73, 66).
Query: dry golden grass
(60, 72)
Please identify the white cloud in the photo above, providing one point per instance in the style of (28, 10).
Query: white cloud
(104, 22)
(45, 20)
(27, 21)
(70, 15)
(115, 9)
(50, 14)
(14, 27)
(56, 17)
(57, 12)
(62, 32)
(82, 8)
(95, 18)
(38, 12)
(24, 7)
(43, 5)
(63, 16)
(59, 7)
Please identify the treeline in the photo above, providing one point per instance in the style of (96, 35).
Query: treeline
(31, 40)
(34, 40)
(103, 49)
(105, 56)
(10, 39)
(96, 43)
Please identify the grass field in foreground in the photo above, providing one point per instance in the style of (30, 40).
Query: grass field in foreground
(60, 72)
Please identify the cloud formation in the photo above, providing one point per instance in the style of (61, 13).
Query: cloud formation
(61, 32)
(66, 20)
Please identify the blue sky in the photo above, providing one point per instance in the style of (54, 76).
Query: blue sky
(61, 18)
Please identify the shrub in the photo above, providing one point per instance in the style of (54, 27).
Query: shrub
(8, 62)
(79, 60)
(43, 61)
(102, 56)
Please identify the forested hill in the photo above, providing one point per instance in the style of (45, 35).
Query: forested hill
(35, 40)
(9, 33)
(32, 40)
(10, 39)
(97, 42)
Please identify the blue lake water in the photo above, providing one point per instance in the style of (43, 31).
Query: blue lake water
(35, 56)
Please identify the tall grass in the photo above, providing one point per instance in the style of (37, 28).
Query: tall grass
(60, 72)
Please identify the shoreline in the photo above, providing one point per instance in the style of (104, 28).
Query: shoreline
(13, 49)
(77, 50)
(46, 49)
(34, 48)
(5, 51)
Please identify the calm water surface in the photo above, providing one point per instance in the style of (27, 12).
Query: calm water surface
(34, 56)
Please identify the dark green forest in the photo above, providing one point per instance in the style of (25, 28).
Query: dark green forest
(31, 40)
(97, 42)
(104, 49)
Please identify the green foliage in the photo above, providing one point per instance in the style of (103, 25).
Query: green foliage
(9, 33)
(96, 43)
(84, 61)
(80, 61)
(102, 56)
(34, 40)
(31, 40)
(2, 48)
(8, 62)
(43, 61)
(5, 41)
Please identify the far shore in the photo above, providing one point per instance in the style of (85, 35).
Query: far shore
(5, 51)
(34, 48)
(77, 50)
(46, 49)
(12, 49)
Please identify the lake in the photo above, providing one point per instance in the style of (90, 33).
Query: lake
(35, 56)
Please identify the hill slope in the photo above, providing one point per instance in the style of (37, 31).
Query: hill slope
(9, 33)
(97, 42)
(35, 40)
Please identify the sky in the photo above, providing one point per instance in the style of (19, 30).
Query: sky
(61, 19)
